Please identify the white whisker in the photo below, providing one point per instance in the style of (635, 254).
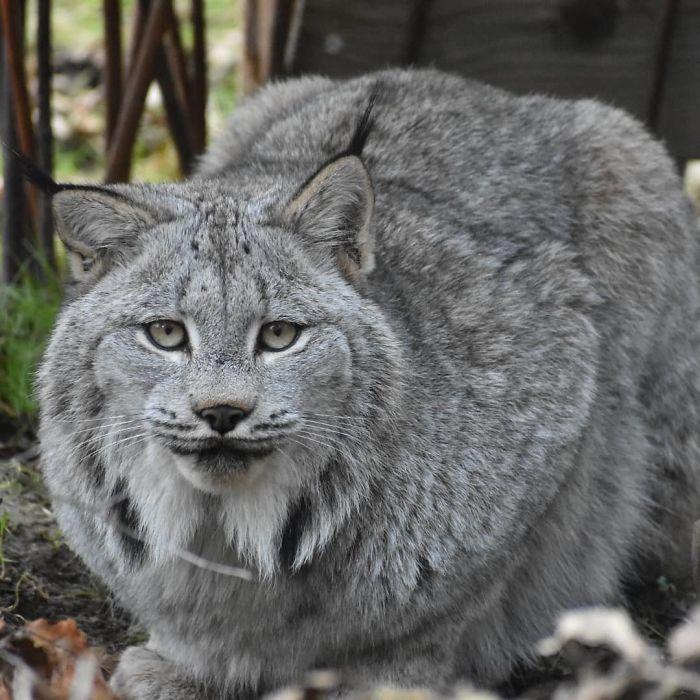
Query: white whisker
(314, 438)
(115, 443)
(97, 437)
(103, 418)
(106, 426)
(313, 421)
(298, 442)
(331, 431)
(339, 417)
(279, 449)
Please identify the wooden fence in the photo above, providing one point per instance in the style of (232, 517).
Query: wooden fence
(642, 55)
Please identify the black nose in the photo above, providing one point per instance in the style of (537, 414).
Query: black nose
(223, 418)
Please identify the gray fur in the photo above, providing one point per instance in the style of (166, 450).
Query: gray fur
(491, 421)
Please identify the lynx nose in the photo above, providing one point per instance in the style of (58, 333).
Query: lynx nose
(223, 418)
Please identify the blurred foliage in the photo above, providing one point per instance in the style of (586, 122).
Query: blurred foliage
(27, 312)
(28, 308)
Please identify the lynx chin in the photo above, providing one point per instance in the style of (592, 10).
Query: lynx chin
(418, 356)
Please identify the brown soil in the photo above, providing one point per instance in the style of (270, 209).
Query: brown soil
(39, 575)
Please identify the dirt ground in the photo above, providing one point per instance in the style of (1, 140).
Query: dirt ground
(41, 578)
(39, 575)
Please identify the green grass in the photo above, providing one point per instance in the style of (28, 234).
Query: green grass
(27, 312)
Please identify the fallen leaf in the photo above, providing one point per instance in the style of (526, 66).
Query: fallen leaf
(58, 659)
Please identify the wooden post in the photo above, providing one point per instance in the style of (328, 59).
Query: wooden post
(177, 117)
(416, 32)
(15, 253)
(199, 77)
(11, 21)
(44, 133)
(142, 73)
(271, 31)
(113, 65)
(666, 27)
(177, 63)
(12, 14)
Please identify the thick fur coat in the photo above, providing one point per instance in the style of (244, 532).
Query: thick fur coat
(488, 412)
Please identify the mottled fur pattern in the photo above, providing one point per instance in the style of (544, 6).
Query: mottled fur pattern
(490, 413)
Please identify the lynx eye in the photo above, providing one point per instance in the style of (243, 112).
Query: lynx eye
(278, 335)
(168, 335)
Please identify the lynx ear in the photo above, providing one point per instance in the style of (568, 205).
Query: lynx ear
(334, 209)
(98, 226)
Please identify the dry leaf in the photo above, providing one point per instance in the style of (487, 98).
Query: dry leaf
(56, 661)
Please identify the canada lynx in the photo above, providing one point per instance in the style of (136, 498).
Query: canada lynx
(420, 357)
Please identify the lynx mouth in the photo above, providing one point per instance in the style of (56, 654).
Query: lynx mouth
(218, 457)
(214, 446)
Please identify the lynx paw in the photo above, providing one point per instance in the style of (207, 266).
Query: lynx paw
(143, 674)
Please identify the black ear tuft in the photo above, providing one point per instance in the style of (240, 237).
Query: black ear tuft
(364, 126)
(46, 184)
(36, 175)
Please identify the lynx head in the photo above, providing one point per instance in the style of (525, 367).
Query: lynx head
(224, 329)
(223, 322)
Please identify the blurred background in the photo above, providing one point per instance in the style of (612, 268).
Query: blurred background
(117, 90)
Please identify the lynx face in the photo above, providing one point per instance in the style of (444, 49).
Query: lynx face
(225, 344)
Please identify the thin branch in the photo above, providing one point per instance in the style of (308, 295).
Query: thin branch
(11, 25)
(113, 64)
(177, 62)
(12, 15)
(15, 251)
(45, 135)
(199, 77)
(120, 150)
(175, 112)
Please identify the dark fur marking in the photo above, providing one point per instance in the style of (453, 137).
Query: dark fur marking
(261, 284)
(521, 253)
(94, 467)
(364, 126)
(246, 248)
(326, 484)
(305, 610)
(426, 573)
(95, 404)
(173, 424)
(62, 404)
(298, 520)
(127, 520)
(358, 140)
